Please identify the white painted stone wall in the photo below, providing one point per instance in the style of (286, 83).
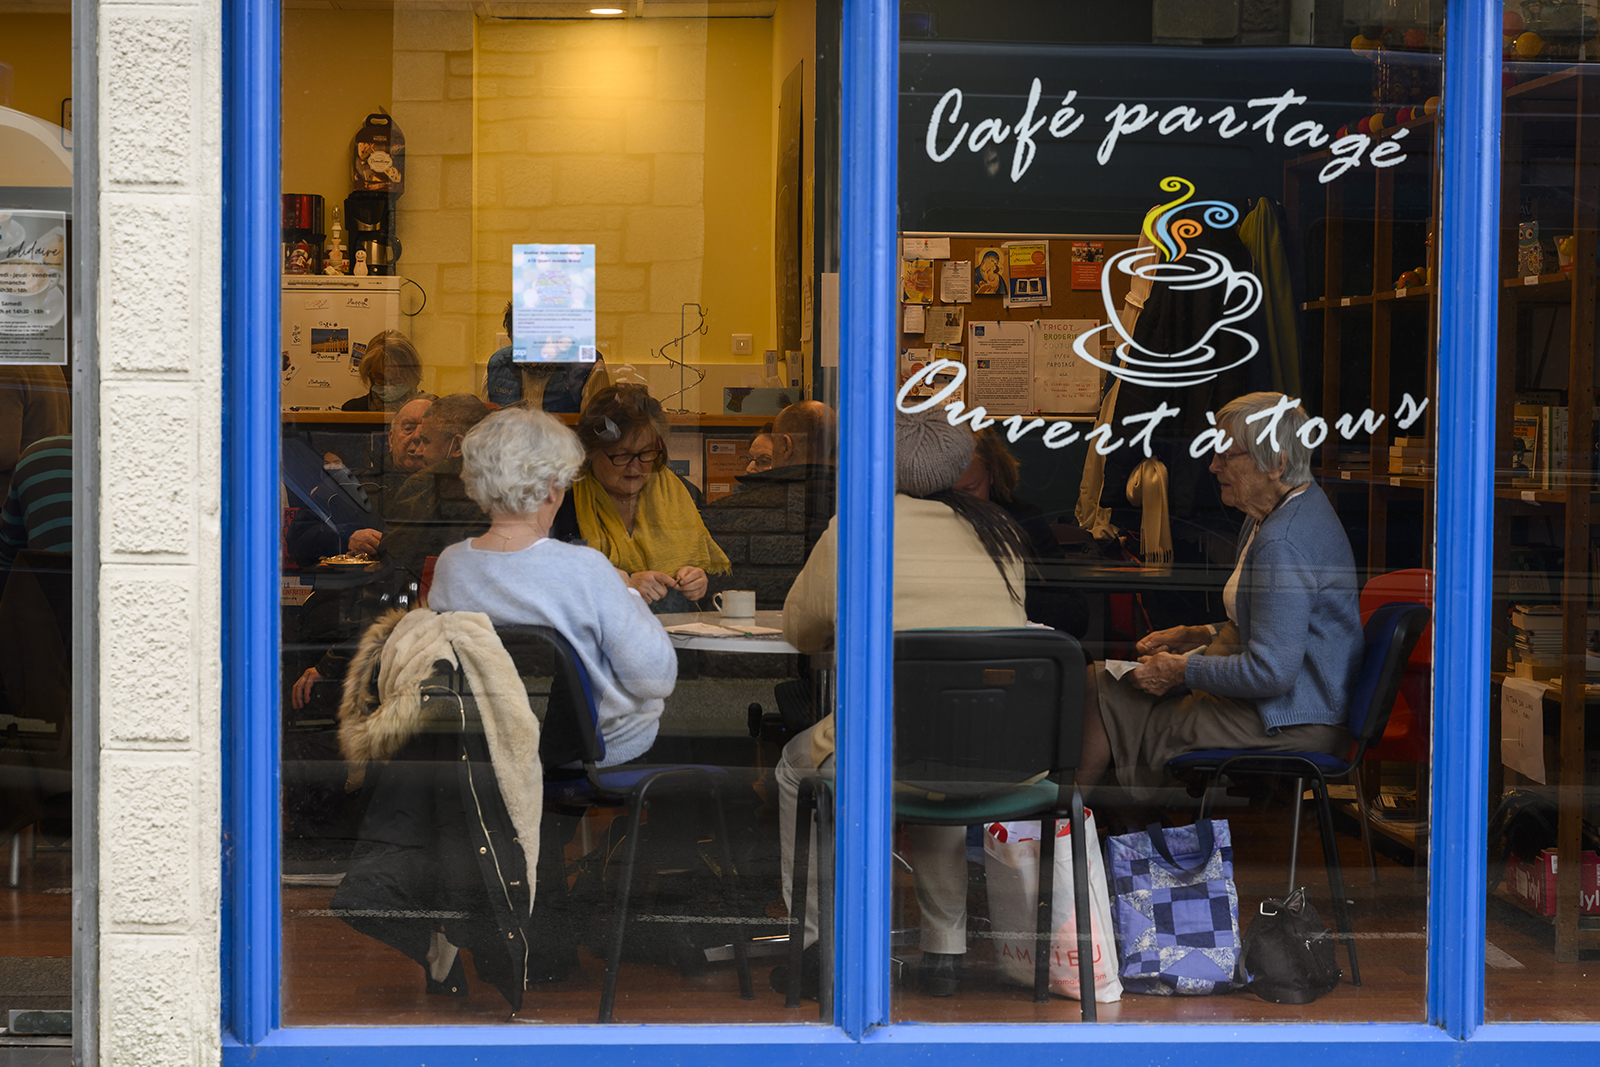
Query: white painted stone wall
(160, 414)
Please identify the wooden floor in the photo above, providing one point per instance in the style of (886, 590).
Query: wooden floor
(335, 976)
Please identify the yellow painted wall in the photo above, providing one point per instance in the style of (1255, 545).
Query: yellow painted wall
(336, 72)
(39, 49)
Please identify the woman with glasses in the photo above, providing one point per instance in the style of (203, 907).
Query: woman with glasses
(1277, 675)
(631, 507)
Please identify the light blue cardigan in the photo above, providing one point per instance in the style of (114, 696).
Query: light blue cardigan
(1299, 620)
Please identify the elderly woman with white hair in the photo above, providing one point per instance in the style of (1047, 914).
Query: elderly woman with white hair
(517, 465)
(1278, 674)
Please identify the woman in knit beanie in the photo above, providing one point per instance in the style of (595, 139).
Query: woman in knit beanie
(958, 562)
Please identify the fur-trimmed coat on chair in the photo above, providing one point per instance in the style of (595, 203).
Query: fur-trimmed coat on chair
(436, 722)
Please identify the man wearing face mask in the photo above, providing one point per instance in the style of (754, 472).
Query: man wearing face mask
(310, 537)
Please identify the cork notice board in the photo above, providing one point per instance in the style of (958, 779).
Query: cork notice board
(1066, 302)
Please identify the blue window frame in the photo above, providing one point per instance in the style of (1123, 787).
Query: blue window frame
(1454, 1032)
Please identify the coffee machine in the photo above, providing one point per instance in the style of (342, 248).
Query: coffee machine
(369, 219)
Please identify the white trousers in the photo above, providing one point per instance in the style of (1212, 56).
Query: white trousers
(938, 859)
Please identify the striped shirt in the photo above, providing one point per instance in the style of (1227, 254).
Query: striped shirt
(38, 510)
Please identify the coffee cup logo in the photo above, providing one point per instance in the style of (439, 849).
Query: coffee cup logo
(1189, 357)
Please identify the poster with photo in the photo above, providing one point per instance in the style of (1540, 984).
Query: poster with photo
(989, 272)
(1088, 259)
(916, 281)
(1027, 274)
(33, 287)
(552, 304)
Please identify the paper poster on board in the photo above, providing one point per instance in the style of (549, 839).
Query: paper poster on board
(1088, 259)
(1063, 383)
(1027, 266)
(955, 281)
(989, 269)
(552, 304)
(916, 281)
(1000, 366)
(33, 287)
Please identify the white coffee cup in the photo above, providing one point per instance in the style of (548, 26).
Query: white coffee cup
(736, 604)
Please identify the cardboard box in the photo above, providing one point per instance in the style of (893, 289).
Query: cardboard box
(1535, 883)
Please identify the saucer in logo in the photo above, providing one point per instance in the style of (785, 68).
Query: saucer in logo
(1189, 357)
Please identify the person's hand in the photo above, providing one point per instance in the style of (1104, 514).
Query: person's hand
(365, 542)
(692, 582)
(652, 585)
(301, 692)
(1158, 673)
(1172, 639)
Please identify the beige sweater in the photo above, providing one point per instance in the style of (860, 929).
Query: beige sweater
(943, 578)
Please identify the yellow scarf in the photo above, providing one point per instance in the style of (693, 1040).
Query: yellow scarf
(667, 531)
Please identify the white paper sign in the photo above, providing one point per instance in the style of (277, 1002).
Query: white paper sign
(926, 248)
(33, 287)
(1000, 365)
(915, 318)
(955, 281)
(1522, 727)
(1062, 382)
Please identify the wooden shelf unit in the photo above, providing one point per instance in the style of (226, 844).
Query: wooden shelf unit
(1568, 100)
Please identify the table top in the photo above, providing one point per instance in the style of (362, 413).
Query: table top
(773, 645)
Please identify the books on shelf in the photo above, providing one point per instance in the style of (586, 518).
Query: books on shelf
(1525, 423)
(1541, 450)
(1534, 636)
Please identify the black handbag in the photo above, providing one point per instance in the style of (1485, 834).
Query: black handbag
(1288, 954)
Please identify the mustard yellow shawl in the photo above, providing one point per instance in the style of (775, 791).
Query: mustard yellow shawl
(667, 531)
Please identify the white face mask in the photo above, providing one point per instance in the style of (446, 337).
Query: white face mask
(390, 393)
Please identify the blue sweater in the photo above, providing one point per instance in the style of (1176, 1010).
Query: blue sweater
(1299, 620)
(630, 659)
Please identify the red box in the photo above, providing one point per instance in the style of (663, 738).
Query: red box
(1535, 883)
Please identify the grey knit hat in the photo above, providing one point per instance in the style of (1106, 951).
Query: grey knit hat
(929, 453)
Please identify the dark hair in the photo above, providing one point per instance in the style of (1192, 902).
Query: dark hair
(507, 319)
(997, 531)
(616, 413)
(1002, 467)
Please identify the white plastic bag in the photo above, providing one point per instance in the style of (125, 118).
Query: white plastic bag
(1011, 867)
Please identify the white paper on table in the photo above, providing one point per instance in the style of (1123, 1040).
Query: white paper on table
(1119, 667)
(1522, 727)
(955, 281)
(1063, 382)
(1000, 366)
(916, 318)
(926, 248)
(708, 629)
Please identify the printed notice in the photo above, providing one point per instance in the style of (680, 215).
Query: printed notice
(916, 316)
(945, 326)
(33, 287)
(955, 281)
(1522, 727)
(1088, 258)
(1063, 383)
(926, 248)
(1001, 366)
(1027, 274)
(552, 301)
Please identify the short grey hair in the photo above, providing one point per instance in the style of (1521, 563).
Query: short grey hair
(1285, 443)
(511, 458)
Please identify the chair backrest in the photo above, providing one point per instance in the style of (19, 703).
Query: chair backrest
(570, 732)
(1391, 635)
(1406, 736)
(978, 710)
(1413, 585)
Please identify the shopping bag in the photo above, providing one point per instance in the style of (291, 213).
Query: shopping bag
(1176, 909)
(1011, 869)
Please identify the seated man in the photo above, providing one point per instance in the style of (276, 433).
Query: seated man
(310, 538)
(770, 525)
(560, 387)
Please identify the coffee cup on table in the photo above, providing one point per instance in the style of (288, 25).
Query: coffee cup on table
(736, 605)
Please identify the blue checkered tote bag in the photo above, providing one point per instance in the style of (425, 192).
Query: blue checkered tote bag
(1176, 909)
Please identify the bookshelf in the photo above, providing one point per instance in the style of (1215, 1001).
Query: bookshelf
(1551, 141)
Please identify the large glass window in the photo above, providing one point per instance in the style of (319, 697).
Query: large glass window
(1168, 325)
(550, 355)
(1544, 902)
(36, 533)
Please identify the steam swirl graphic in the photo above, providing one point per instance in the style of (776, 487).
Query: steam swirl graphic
(1167, 235)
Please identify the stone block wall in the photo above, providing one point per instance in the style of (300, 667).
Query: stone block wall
(159, 140)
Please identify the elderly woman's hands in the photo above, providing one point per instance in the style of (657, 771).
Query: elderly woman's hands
(1158, 673)
(692, 582)
(1173, 639)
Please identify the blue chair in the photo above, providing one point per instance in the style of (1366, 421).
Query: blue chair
(988, 726)
(570, 747)
(1391, 633)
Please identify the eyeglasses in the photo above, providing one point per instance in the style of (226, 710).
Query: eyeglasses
(760, 463)
(623, 459)
(1228, 457)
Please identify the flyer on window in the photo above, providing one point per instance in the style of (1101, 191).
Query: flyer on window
(552, 304)
(33, 287)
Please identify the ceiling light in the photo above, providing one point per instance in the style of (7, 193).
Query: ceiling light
(605, 11)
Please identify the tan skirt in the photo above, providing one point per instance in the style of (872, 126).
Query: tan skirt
(1146, 731)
